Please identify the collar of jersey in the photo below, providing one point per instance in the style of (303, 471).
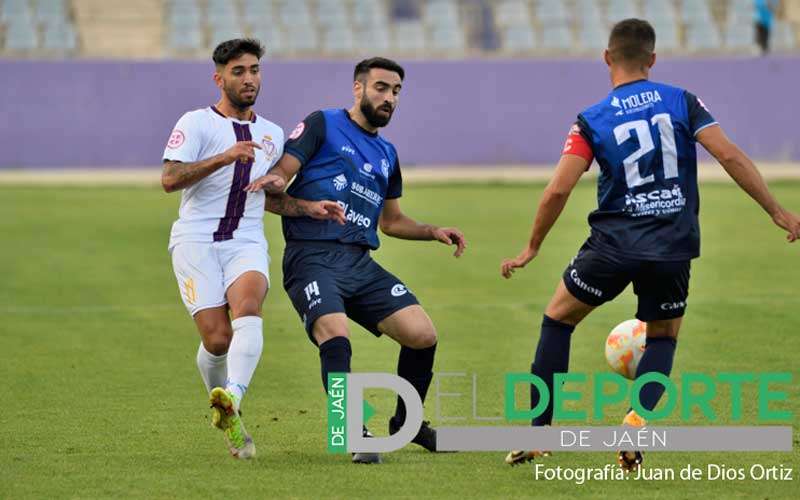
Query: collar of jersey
(215, 110)
(359, 127)
(630, 83)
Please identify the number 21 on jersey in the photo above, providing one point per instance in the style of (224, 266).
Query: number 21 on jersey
(641, 128)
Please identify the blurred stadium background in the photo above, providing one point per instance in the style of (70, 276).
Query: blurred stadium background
(490, 82)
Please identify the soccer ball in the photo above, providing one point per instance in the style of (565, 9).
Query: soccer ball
(625, 346)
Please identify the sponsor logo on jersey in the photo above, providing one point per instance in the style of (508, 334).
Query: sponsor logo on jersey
(583, 285)
(366, 194)
(672, 306)
(366, 171)
(270, 150)
(655, 202)
(340, 182)
(347, 149)
(359, 219)
(615, 103)
(176, 139)
(385, 167)
(635, 103)
(298, 130)
(399, 290)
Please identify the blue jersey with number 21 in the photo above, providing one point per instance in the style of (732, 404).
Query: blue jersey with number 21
(643, 137)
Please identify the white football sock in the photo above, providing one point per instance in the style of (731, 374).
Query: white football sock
(213, 369)
(244, 353)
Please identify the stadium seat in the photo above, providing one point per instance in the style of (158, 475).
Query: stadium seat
(442, 14)
(14, 9)
(373, 39)
(551, 11)
(740, 36)
(302, 39)
(338, 41)
(258, 11)
(409, 37)
(703, 38)
(512, 13)
(296, 13)
(51, 12)
(272, 36)
(450, 40)
(621, 9)
(21, 36)
(221, 12)
(784, 36)
(183, 14)
(520, 38)
(696, 13)
(369, 14)
(593, 35)
(557, 36)
(187, 40)
(332, 14)
(59, 37)
(221, 33)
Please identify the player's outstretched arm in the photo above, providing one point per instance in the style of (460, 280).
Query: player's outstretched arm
(278, 177)
(289, 206)
(739, 166)
(393, 222)
(568, 171)
(179, 175)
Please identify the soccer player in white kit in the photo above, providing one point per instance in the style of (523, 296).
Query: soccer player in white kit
(218, 248)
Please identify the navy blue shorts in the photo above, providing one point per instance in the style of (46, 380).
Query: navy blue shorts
(324, 277)
(595, 277)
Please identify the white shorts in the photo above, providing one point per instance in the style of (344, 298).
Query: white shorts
(205, 270)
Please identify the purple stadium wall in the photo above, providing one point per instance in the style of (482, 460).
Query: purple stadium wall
(91, 113)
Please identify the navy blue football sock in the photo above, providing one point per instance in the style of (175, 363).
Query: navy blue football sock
(416, 366)
(552, 356)
(658, 355)
(334, 357)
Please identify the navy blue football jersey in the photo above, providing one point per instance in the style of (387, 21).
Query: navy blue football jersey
(643, 137)
(343, 162)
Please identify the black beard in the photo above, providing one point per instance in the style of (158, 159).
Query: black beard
(238, 103)
(372, 116)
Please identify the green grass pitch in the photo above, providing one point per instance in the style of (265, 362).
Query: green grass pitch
(101, 396)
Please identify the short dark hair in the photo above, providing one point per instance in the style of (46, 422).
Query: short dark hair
(632, 41)
(364, 66)
(233, 49)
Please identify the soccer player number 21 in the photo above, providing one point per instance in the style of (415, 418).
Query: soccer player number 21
(642, 129)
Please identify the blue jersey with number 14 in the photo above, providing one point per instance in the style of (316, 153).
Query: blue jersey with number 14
(643, 137)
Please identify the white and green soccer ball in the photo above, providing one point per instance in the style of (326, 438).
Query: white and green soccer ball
(625, 346)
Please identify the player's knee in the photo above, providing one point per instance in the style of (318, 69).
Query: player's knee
(324, 332)
(249, 306)
(424, 336)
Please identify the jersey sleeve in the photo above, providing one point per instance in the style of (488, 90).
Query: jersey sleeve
(578, 142)
(307, 138)
(186, 140)
(699, 116)
(395, 187)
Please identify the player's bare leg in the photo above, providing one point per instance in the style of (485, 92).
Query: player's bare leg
(657, 357)
(561, 316)
(413, 329)
(245, 296)
(332, 335)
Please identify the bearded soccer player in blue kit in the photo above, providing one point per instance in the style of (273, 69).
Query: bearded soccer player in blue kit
(337, 154)
(645, 230)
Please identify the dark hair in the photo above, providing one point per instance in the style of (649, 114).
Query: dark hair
(364, 66)
(632, 41)
(233, 49)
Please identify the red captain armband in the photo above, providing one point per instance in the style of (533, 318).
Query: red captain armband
(577, 145)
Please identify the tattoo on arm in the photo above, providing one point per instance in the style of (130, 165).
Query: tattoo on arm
(283, 204)
(177, 175)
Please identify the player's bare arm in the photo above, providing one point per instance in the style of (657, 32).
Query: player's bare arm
(179, 175)
(289, 206)
(278, 177)
(739, 166)
(393, 222)
(569, 169)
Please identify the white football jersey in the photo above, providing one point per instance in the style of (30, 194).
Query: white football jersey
(217, 208)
